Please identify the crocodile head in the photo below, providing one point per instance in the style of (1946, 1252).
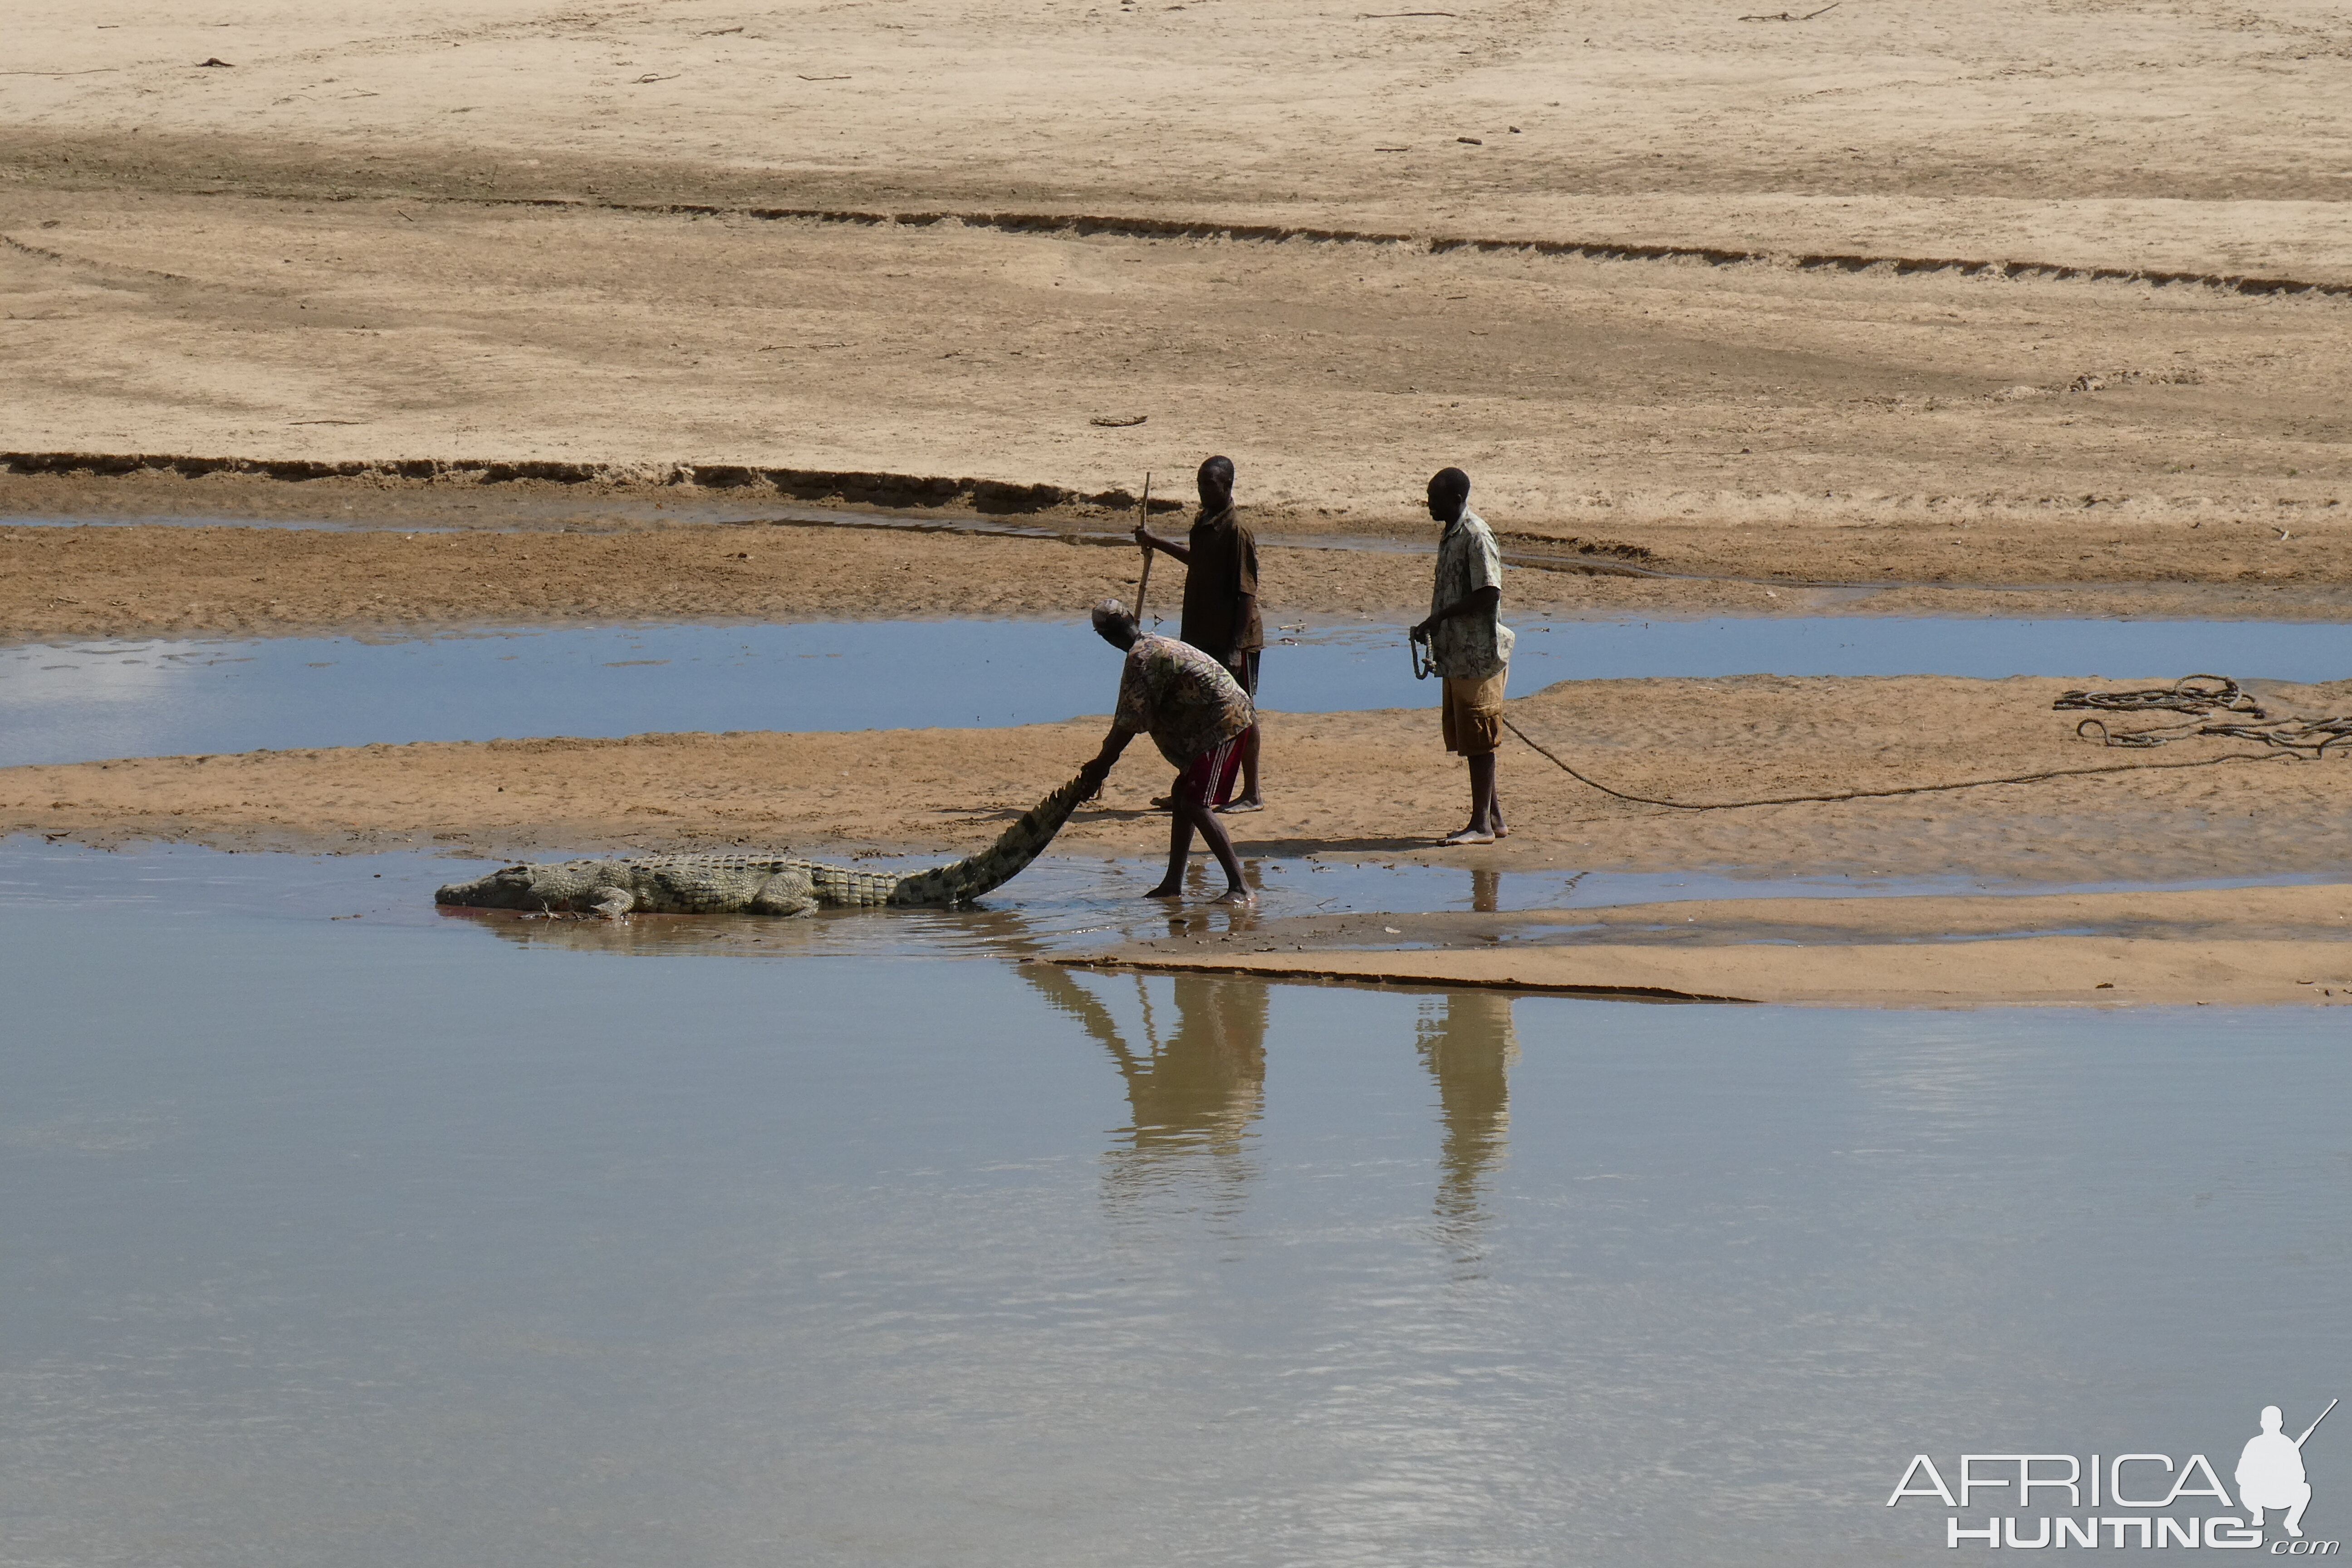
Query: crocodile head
(510, 888)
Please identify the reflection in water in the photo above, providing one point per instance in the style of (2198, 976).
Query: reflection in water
(1486, 894)
(1194, 1097)
(1467, 1042)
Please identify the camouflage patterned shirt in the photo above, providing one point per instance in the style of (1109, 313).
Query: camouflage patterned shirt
(1185, 700)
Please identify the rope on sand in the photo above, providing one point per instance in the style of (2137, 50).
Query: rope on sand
(2296, 736)
(1883, 794)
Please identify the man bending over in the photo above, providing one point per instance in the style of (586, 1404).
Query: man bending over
(1195, 713)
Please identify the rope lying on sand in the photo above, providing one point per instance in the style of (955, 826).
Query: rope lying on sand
(2181, 697)
(2299, 736)
(1882, 794)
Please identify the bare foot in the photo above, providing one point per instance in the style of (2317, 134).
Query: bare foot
(1247, 802)
(1235, 896)
(1467, 836)
(1165, 891)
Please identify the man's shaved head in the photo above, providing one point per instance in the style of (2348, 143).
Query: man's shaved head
(1115, 625)
(1216, 478)
(1449, 492)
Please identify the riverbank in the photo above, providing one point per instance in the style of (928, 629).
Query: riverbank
(59, 582)
(1369, 785)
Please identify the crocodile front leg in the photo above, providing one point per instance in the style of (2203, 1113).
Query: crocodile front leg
(615, 904)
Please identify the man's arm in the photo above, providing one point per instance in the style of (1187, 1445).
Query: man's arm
(1480, 599)
(1151, 542)
(1099, 769)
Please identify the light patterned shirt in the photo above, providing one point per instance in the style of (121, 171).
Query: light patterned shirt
(1476, 646)
(1186, 701)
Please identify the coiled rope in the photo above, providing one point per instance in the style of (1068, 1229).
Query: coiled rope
(2300, 736)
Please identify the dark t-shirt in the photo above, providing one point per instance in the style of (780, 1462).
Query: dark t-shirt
(1220, 588)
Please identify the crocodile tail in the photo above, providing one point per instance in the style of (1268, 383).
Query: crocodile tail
(1001, 862)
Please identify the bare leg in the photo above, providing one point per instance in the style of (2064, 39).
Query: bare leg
(1222, 846)
(1190, 812)
(1184, 811)
(1248, 799)
(1486, 821)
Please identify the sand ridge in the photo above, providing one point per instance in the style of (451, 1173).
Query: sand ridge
(1373, 785)
(2027, 971)
(64, 583)
(1586, 396)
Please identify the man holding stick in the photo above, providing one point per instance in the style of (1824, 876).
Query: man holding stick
(1469, 646)
(1221, 615)
(1196, 714)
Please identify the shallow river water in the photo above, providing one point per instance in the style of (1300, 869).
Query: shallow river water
(74, 702)
(339, 1230)
(388, 1243)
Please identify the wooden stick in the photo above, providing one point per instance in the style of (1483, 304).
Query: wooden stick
(1143, 517)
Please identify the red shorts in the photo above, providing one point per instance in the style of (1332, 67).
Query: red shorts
(1211, 776)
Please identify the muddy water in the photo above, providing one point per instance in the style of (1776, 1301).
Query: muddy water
(150, 698)
(385, 1244)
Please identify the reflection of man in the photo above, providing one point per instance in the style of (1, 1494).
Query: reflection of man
(1207, 1083)
(1193, 1097)
(2271, 1475)
(1468, 1050)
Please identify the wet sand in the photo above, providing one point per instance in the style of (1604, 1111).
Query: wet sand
(2027, 972)
(1374, 786)
(2237, 945)
(1370, 784)
(122, 581)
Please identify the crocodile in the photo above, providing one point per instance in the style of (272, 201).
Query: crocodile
(758, 884)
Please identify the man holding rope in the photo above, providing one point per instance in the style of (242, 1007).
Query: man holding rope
(1196, 714)
(1469, 646)
(1221, 615)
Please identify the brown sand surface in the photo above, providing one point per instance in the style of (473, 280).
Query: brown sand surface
(2029, 970)
(316, 250)
(58, 583)
(1583, 395)
(1244, 101)
(2280, 914)
(1368, 786)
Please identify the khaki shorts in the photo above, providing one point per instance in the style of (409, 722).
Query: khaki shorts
(1472, 714)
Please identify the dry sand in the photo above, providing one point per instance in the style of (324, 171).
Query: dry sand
(1583, 395)
(316, 250)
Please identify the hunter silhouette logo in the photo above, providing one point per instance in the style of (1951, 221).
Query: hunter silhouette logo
(2270, 1472)
(2145, 1492)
